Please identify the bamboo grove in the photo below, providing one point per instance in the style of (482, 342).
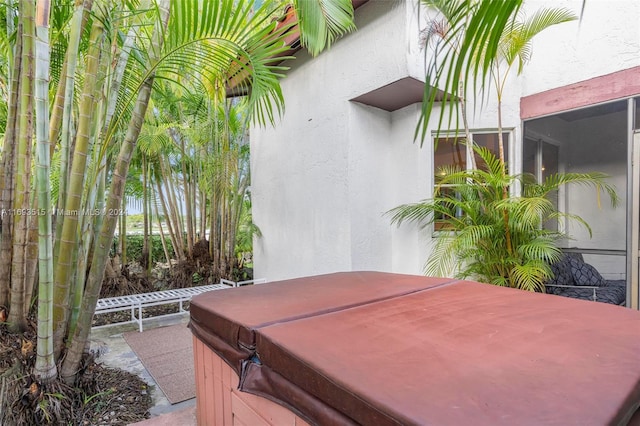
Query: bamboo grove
(102, 95)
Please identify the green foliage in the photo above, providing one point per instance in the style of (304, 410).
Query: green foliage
(135, 220)
(134, 247)
(197, 278)
(470, 207)
(472, 39)
(516, 40)
(246, 231)
(475, 27)
(323, 21)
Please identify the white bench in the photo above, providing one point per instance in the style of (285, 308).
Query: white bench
(241, 283)
(136, 302)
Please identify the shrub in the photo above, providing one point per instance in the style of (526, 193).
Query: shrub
(134, 247)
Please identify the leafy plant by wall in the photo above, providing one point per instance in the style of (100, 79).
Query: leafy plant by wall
(134, 248)
(476, 242)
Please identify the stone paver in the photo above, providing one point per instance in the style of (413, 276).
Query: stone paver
(114, 352)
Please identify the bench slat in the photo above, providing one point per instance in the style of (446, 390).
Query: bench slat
(156, 298)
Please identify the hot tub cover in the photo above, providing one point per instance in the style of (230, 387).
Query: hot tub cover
(227, 320)
(451, 353)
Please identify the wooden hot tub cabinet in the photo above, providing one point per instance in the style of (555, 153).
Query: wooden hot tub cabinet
(219, 402)
(374, 348)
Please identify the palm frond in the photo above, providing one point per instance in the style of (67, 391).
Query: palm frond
(421, 213)
(478, 25)
(515, 43)
(323, 21)
(470, 208)
(530, 276)
(444, 260)
(595, 180)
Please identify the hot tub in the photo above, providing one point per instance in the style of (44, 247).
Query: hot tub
(387, 349)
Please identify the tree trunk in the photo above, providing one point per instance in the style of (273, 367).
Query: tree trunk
(71, 362)
(66, 253)
(162, 237)
(187, 197)
(62, 116)
(145, 260)
(101, 253)
(31, 266)
(177, 248)
(78, 22)
(9, 166)
(22, 205)
(45, 367)
(123, 237)
(174, 210)
(212, 232)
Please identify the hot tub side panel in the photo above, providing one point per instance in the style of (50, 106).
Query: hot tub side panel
(220, 403)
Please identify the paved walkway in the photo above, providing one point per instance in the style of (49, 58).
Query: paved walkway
(115, 352)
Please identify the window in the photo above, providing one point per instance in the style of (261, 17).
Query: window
(540, 159)
(453, 152)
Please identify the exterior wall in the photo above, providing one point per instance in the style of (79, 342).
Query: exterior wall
(324, 176)
(605, 40)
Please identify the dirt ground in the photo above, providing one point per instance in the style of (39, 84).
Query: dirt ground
(102, 396)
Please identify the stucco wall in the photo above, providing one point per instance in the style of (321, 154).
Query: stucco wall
(325, 174)
(605, 40)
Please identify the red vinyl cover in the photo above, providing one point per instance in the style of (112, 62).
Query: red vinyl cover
(437, 351)
(226, 320)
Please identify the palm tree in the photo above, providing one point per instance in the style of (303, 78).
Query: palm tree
(108, 112)
(513, 45)
(475, 27)
(45, 362)
(22, 189)
(515, 48)
(474, 243)
(199, 146)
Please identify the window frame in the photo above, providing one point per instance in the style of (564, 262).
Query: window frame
(460, 135)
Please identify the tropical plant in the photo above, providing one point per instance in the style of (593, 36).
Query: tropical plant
(517, 251)
(474, 28)
(199, 148)
(105, 58)
(437, 36)
(458, 18)
(473, 241)
(514, 47)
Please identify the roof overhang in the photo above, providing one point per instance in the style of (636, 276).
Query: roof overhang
(396, 95)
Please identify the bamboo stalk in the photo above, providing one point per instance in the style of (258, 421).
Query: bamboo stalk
(45, 367)
(17, 314)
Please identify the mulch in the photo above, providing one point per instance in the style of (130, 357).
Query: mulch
(101, 396)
